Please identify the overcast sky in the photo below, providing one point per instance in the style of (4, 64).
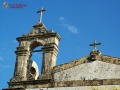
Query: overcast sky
(78, 22)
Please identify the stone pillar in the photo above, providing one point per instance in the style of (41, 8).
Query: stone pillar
(20, 72)
(49, 60)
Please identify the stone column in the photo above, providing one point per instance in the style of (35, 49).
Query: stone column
(49, 60)
(20, 72)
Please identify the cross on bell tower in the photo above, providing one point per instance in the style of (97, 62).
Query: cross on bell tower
(94, 44)
(40, 11)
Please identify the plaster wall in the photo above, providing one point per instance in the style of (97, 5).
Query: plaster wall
(89, 71)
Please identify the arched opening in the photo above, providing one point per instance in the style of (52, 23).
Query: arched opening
(36, 55)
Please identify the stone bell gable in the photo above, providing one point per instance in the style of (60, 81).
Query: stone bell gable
(39, 36)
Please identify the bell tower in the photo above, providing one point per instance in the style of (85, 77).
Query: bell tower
(39, 36)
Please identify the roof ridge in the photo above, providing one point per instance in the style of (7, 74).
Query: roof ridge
(110, 56)
(73, 63)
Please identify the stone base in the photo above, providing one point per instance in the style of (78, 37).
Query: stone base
(22, 85)
(45, 77)
(17, 79)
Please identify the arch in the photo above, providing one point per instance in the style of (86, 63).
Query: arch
(35, 43)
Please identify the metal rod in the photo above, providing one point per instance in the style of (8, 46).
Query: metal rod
(37, 51)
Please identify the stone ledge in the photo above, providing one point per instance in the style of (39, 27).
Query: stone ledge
(48, 84)
(87, 83)
(47, 35)
(22, 85)
(30, 82)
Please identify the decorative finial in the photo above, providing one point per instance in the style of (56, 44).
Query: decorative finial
(94, 44)
(94, 54)
(40, 11)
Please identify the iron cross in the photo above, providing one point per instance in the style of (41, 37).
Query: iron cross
(94, 44)
(40, 11)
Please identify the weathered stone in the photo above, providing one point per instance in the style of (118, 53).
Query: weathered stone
(49, 41)
(89, 71)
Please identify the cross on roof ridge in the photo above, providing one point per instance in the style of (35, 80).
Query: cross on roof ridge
(94, 44)
(40, 11)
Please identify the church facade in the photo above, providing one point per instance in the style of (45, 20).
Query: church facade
(93, 72)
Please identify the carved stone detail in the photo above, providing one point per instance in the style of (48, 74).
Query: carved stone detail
(94, 54)
(51, 31)
(39, 29)
(24, 35)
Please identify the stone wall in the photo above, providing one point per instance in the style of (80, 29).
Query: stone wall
(105, 87)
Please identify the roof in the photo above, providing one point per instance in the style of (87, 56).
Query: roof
(86, 59)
